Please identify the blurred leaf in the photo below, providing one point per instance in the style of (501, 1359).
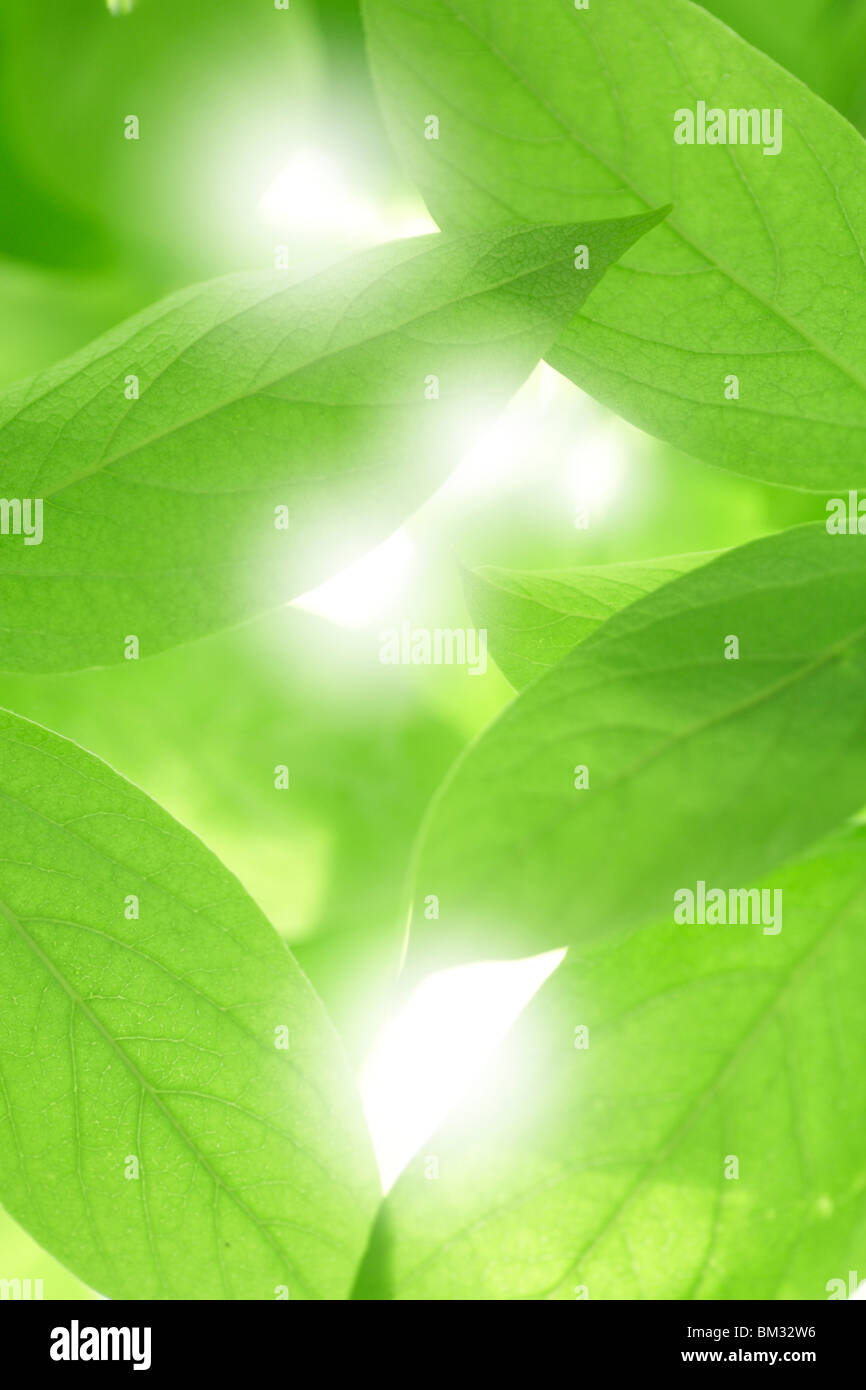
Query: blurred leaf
(261, 403)
(548, 112)
(33, 227)
(154, 1135)
(221, 93)
(533, 618)
(820, 40)
(47, 314)
(598, 1165)
(646, 760)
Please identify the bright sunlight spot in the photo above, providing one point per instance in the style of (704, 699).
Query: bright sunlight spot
(360, 594)
(311, 197)
(596, 469)
(510, 441)
(427, 1057)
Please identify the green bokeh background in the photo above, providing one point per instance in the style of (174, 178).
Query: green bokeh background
(94, 227)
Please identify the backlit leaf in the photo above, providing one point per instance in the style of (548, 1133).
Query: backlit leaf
(737, 330)
(176, 1116)
(711, 730)
(533, 618)
(234, 445)
(701, 1139)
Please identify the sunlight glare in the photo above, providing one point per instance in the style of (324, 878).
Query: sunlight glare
(429, 1054)
(311, 197)
(361, 594)
(512, 446)
(596, 469)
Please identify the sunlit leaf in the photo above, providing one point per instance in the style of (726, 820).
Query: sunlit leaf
(533, 618)
(234, 445)
(711, 730)
(678, 1117)
(176, 1117)
(737, 330)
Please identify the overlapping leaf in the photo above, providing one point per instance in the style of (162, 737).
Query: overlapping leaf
(701, 1139)
(232, 446)
(711, 730)
(533, 618)
(759, 275)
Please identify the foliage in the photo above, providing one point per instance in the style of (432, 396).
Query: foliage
(661, 769)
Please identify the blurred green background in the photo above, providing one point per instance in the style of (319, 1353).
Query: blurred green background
(259, 129)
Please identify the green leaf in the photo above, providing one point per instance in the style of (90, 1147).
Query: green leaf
(697, 765)
(533, 618)
(154, 1134)
(161, 512)
(598, 1161)
(548, 112)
